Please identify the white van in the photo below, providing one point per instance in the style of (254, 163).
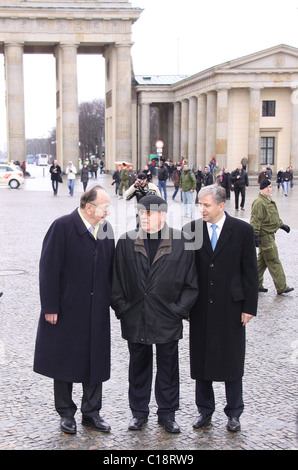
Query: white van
(43, 159)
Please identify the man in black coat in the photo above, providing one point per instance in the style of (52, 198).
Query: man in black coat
(239, 183)
(73, 337)
(154, 288)
(228, 296)
(56, 173)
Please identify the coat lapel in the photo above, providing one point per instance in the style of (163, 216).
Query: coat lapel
(225, 235)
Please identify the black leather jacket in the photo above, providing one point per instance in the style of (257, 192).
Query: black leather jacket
(151, 302)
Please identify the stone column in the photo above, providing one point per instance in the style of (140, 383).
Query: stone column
(145, 134)
(123, 103)
(192, 130)
(201, 130)
(177, 131)
(15, 109)
(67, 112)
(222, 127)
(184, 128)
(211, 126)
(294, 130)
(254, 129)
(170, 132)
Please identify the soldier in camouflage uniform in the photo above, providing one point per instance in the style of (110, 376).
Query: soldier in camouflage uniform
(266, 221)
(124, 180)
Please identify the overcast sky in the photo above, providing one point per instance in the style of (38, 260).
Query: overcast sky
(171, 37)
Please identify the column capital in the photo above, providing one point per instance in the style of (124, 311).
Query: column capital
(256, 88)
(14, 43)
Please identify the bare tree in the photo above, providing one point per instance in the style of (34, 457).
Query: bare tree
(91, 127)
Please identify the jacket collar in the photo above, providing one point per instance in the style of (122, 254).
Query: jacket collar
(165, 246)
(225, 235)
(81, 227)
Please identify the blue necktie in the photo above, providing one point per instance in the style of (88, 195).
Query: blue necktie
(214, 236)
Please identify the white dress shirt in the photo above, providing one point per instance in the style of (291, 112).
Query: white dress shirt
(219, 226)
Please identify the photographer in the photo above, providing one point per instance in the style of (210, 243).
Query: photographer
(141, 188)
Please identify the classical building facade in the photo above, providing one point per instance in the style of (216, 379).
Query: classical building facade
(247, 107)
(66, 28)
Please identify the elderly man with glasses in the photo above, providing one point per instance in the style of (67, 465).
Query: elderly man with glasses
(73, 337)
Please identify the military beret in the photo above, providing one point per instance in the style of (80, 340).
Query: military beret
(151, 202)
(264, 183)
(142, 176)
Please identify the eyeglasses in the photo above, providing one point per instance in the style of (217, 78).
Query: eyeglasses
(147, 213)
(104, 208)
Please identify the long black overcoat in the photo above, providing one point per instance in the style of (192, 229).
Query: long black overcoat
(228, 286)
(75, 282)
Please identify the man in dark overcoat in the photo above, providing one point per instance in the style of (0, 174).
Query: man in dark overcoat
(228, 296)
(73, 336)
(154, 288)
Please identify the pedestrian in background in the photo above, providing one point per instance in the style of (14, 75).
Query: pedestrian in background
(208, 178)
(199, 181)
(176, 181)
(71, 172)
(226, 183)
(56, 172)
(228, 296)
(116, 180)
(239, 183)
(266, 221)
(287, 177)
(154, 288)
(124, 180)
(162, 176)
(85, 176)
(279, 178)
(73, 336)
(187, 185)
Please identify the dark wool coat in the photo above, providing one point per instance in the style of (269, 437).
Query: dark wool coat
(151, 302)
(75, 282)
(228, 286)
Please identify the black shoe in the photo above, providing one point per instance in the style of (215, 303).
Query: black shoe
(97, 423)
(201, 421)
(288, 289)
(1, 293)
(242, 208)
(136, 424)
(263, 289)
(169, 425)
(68, 425)
(233, 424)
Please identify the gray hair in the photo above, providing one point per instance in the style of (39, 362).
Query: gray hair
(90, 195)
(217, 191)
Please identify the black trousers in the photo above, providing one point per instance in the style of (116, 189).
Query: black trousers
(205, 398)
(166, 381)
(55, 186)
(90, 404)
(237, 192)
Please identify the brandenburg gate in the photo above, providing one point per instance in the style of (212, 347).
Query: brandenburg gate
(67, 28)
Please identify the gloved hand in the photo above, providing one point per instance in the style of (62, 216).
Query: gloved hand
(257, 241)
(286, 228)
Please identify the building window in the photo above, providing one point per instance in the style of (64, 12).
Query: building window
(267, 150)
(268, 108)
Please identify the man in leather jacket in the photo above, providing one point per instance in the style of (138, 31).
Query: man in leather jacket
(154, 287)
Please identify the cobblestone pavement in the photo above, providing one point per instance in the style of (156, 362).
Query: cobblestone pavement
(28, 420)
